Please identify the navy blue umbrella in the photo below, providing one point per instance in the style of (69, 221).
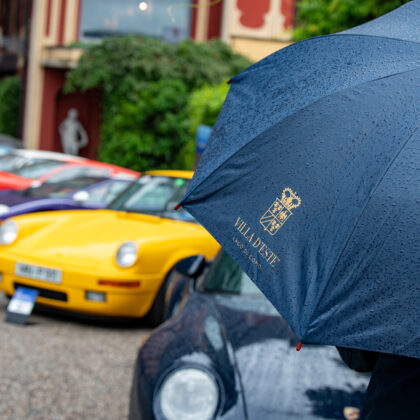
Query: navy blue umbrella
(311, 182)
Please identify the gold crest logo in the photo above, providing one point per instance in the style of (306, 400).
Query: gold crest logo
(278, 213)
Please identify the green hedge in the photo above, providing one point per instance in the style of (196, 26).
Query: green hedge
(203, 108)
(146, 85)
(9, 105)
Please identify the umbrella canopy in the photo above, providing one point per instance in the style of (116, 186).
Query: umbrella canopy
(311, 182)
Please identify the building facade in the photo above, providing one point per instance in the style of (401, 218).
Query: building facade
(39, 39)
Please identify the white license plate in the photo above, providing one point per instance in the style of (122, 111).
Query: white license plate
(39, 273)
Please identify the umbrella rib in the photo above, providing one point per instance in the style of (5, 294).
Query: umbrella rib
(357, 221)
(181, 203)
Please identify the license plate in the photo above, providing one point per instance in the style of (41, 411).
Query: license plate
(37, 272)
(22, 301)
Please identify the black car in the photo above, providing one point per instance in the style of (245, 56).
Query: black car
(226, 353)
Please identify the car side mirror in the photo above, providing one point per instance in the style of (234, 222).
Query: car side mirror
(80, 197)
(192, 266)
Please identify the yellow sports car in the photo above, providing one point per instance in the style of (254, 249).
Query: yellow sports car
(112, 262)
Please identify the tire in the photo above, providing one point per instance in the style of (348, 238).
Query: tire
(156, 314)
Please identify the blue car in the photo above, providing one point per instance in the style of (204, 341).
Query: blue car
(226, 353)
(76, 188)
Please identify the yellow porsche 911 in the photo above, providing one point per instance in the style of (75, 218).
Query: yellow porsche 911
(112, 262)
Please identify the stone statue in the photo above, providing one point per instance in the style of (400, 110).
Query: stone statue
(73, 135)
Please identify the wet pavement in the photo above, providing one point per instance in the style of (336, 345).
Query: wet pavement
(59, 367)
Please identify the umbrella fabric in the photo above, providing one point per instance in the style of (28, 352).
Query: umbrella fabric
(311, 182)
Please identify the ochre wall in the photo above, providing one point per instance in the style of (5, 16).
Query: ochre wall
(256, 49)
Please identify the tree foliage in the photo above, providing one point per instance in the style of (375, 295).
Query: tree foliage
(149, 130)
(146, 84)
(9, 105)
(320, 17)
(203, 107)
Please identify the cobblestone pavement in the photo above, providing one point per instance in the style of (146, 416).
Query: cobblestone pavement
(62, 368)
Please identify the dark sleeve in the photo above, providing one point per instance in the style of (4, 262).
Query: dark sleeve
(360, 360)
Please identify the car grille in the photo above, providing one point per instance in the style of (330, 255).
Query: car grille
(45, 293)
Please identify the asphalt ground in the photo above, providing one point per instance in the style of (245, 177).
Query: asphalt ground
(60, 367)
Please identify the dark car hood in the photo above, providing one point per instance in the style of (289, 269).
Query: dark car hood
(276, 379)
(14, 197)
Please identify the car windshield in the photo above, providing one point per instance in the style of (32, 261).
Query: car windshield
(105, 192)
(11, 161)
(61, 189)
(68, 181)
(225, 276)
(36, 168)
(155, 195)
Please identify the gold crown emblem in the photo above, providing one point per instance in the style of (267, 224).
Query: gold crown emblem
(290, 199)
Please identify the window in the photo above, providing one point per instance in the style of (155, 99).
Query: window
(165, 19)
(106, 192)
(37, 168)
(155, 195)
(61, 189)
(11, 161)
(225, 276)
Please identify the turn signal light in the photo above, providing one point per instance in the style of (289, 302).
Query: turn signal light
(95, 296)
(125, 284)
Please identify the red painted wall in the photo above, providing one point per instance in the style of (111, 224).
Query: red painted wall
(252, 15)
(193, 30)
(79, 17)
(62, 21)
(288, 11)
(48, 19)
(55, 106)
(215, 20)
(253, 12)
(53, 81)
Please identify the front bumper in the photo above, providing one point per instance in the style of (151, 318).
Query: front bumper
(70, 294)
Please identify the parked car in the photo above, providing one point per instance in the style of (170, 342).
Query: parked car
(226, 353)
(9, 141)
(77, 187)
(20, 167)
(5, 150)
(111, 262)
(25, 168)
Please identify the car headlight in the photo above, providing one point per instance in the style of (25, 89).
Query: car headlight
(188, 394)
(126, 254)
(8, 232)
(4, 208)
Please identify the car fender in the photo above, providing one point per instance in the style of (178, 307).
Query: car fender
(194, 337)
(172, 260)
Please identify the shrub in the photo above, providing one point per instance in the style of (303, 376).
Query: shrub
(146, 84)
(203, 108)
(149, 131)
(9, 105)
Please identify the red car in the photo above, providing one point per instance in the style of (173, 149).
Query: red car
(22, 168)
